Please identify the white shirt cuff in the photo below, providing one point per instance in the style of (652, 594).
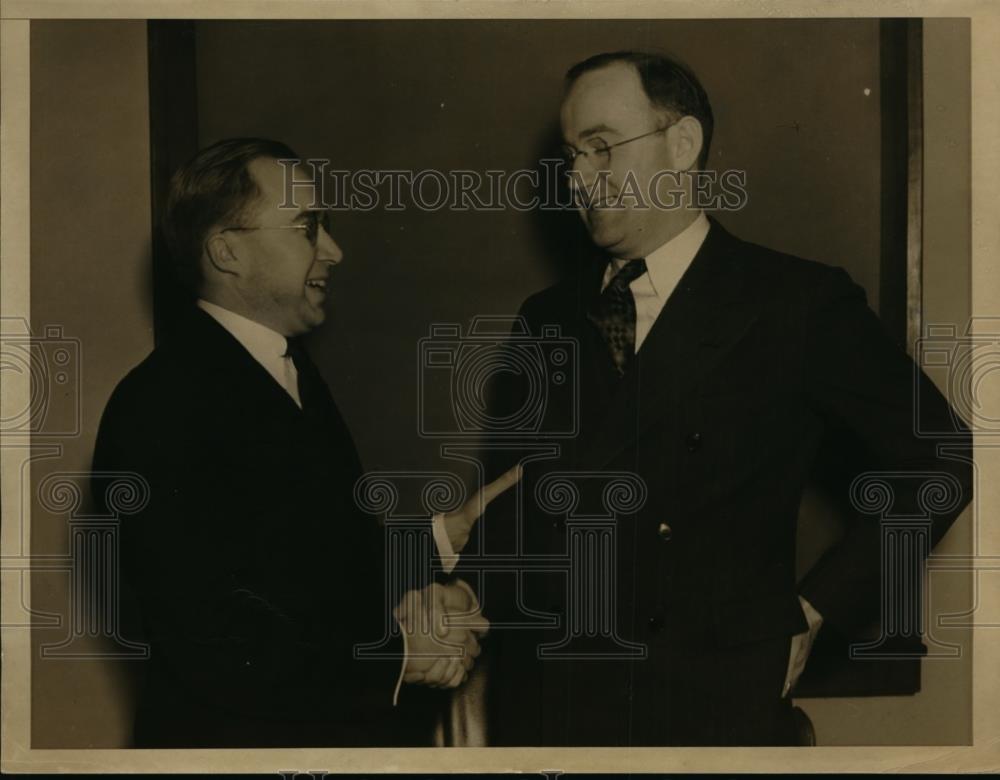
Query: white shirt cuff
(402, 669)
(813, 618)
(449, 560)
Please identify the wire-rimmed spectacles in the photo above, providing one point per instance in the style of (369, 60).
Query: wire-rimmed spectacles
(599, 153)
(313, 220)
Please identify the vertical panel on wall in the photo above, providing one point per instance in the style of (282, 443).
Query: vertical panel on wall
(914, 179)
(173, 128)
(902, 177)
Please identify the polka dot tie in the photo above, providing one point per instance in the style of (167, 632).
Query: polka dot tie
(614, 314)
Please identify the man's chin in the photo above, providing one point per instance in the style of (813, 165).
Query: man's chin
(602, 230)
(605, 239)
(312, 319)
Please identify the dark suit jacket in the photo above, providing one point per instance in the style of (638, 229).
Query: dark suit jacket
(254, 572)
(755, 361)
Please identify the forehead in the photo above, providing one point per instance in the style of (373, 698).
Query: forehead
(270, 176)
(612, 96)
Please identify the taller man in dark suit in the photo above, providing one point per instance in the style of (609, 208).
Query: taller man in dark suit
(714, 370)
(254, 571)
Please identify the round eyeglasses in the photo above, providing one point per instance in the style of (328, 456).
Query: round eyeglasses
(599, 153)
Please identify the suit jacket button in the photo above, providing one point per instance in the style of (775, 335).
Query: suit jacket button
(693, 441)
(665, 532)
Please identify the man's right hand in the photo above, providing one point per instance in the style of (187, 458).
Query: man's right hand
(442, 625)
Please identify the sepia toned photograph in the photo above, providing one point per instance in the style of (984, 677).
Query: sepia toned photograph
(376, 386)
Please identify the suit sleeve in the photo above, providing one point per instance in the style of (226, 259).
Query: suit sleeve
(495, 533)
(226, 622)
(857, 378)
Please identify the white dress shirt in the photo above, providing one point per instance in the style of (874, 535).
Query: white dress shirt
(664, 268)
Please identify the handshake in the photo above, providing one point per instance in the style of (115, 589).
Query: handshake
(442, 625)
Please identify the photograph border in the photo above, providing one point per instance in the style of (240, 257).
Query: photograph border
(15, 690)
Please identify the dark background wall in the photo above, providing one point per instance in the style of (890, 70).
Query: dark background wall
(791, 110)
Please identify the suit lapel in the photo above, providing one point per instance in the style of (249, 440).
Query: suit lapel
(221, 352)
(704, 318)
(250, 393)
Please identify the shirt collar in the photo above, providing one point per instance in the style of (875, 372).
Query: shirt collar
(662, 264)
(666, 264)
(264, 344)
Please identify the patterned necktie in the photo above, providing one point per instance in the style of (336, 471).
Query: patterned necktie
(614, 314)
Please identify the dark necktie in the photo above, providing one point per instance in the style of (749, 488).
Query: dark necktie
(310, 382)
(614, 314)
(321, 413)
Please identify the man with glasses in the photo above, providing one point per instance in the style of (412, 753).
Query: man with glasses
(254, 572)
(714, 370)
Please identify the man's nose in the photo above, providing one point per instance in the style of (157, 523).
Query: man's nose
(583, 176)
(327, 250)
(583, 170)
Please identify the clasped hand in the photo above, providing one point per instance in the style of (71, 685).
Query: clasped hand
(443, 625)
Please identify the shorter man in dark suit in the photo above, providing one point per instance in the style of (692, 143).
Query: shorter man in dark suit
(255, 573)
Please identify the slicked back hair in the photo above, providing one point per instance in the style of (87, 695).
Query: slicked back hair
(214, 188)
(670, 85)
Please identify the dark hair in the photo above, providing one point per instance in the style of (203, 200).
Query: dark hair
(669, 85)
(213, 188)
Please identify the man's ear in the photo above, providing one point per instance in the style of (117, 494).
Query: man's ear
(687, 142)
(220, 255)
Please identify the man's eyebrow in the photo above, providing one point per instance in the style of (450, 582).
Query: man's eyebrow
(602, 128)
